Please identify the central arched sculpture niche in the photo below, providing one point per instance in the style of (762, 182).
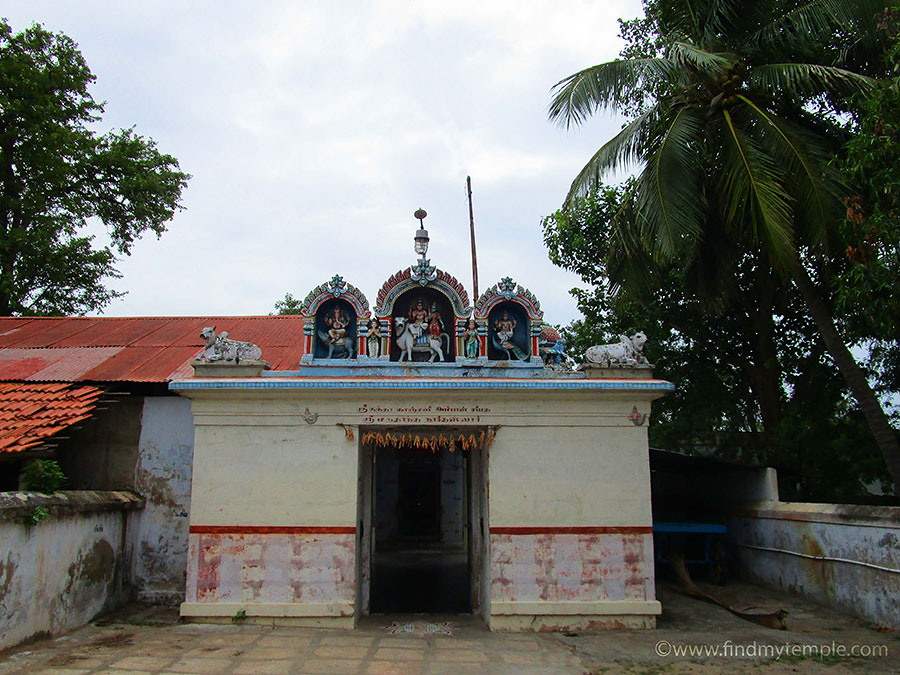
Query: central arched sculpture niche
(423, 317)
(411, 296)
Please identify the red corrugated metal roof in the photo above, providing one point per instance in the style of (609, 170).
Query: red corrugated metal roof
(137, 349)
(31, 412)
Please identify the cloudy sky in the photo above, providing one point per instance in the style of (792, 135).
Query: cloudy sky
(314, 130)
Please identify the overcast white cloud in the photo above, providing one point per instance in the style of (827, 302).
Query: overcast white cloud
(313, 130)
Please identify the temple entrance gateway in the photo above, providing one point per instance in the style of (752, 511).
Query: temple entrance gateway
(358, 483)
(422, 517)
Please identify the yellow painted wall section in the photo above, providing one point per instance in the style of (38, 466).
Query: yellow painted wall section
(300, 475)
(570, 477)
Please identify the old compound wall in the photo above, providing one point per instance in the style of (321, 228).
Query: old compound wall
(63, 571)
(844, 556)
(162, 475)
(144, 444)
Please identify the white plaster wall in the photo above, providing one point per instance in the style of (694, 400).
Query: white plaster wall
(559, 458)
(158, 535)
(820, 530)
(57, 575)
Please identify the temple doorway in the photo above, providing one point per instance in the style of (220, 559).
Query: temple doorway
(422, 520)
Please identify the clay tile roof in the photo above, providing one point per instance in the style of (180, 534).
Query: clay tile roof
(31, 412)
(137, 349)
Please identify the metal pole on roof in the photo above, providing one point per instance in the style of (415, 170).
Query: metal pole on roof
(472, 234)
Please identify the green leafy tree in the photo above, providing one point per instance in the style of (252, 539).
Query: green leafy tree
(289, 305)
(753, 380)
(735, 137)
(57, 174)
(867, 288)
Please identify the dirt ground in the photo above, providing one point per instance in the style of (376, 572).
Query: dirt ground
(692, 637)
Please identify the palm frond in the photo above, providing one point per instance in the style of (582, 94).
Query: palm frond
(752, 192)
(807, 80)
(817, 19)
(720, 17)
(628, 262)
(672, 215)
(806, 162)
(624, 149)
(700, 60)
(606, 85)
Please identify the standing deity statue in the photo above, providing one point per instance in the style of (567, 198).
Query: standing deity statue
(373, 339)
(470, 340)
(435, 323)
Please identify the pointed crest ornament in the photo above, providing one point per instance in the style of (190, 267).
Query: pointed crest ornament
(336, 287)
(423, 272)
(507, 289)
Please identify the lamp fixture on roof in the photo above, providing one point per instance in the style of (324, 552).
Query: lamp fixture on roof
(421, 239)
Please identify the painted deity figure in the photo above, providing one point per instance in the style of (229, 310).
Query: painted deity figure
(505, 327)
(470, 339)
(435, 324)
(373, 338)
(337, 323)
(418, 319)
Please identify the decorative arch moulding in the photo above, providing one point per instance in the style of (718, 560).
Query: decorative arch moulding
(422, 275)
(335, 287)
(507, 290)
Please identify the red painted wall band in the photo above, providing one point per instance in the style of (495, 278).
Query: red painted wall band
(275, 529)
(267, 529)
(571, 530)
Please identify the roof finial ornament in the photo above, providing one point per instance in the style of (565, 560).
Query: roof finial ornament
(421, 239)
(422, 271)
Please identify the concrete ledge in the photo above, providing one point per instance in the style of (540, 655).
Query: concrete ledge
(17, 505)
(229, 368)
(840, 514)
(334, 622)
(227, 610)
(597, 372)
(550, 623)
(595, 608)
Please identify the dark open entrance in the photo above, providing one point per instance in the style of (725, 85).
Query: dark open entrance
(420, 553)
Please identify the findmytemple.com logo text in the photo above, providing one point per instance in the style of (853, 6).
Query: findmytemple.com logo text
(765, 650)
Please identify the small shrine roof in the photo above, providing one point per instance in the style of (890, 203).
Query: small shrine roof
(32, 412)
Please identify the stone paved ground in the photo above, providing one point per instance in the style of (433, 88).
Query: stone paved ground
(150, 641)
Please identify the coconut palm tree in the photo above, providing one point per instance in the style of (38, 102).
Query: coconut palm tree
(739, 114)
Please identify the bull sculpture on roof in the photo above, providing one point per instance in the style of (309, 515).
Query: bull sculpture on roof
(219, 347)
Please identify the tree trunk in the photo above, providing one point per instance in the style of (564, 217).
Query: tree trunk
(884, 433)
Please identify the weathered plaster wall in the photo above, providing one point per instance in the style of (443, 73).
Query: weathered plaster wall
(159, 533)
(313, 572)
(101, 453)
(571, 524)
(279, 467)
(452, 484)
(62, 572)
(852, 533)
